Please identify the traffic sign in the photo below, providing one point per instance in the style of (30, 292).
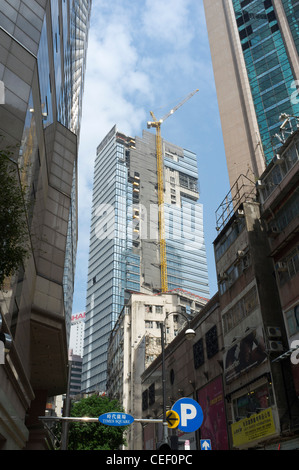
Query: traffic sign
(172, 419)
(205, 444)
(190, 414)
(116, 418)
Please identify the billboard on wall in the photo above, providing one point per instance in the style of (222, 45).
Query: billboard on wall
(244, 354)
(211, 400)
(78, 317)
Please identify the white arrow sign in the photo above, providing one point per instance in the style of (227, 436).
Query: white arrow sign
(205, 444)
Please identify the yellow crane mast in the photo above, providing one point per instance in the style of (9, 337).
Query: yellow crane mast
(157, 125)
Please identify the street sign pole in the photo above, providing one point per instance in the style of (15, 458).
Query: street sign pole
(165, 430)
(92, 420)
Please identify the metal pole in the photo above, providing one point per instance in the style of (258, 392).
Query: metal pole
(65, 423)
(92, 420)
(165, 430)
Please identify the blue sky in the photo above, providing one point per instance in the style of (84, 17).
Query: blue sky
(147, 55)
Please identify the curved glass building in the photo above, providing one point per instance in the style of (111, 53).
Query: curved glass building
(42, 66)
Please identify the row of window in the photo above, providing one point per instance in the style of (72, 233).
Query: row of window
(289, 212)
(230, 236)
(233, 273)
(240, 310)
(278, 172)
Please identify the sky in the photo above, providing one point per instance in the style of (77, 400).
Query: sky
(148, 55)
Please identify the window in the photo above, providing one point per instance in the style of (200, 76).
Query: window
(292, 320)
(288, 267)
(159, 309)
(212, 342)
(258, 399)
(151, 394)
(198, 353)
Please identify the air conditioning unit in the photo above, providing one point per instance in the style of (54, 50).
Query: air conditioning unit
(275, 346)
(222, 277)
(281, 266)
(245, 263)
(273, 332)
(277, 160)
(273, 231)
(260, 184)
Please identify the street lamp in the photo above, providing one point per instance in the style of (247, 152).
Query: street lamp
(189, 334)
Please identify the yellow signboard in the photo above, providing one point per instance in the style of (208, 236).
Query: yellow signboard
(257, 426)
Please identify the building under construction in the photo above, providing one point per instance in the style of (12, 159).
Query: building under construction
(125, 238)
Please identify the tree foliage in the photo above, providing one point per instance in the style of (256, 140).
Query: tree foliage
(13, 223)
(95, 436)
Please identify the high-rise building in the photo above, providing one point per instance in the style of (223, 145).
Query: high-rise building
(77, 333)
(254, 48)
(124, 239)
(43, 56)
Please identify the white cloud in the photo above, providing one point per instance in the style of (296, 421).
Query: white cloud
(168, 22)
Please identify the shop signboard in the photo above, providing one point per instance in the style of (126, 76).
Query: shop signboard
(258, 426)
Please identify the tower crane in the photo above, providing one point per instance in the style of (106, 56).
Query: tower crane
(157, 125)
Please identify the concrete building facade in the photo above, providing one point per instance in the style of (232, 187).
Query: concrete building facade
(135, 343)
(43, 52)
(194, 369)
(262, 406)
(124, 237)
(278, 195)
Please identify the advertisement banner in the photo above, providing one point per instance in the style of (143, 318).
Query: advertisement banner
(211, 400)
(258, 426)
(244, 355)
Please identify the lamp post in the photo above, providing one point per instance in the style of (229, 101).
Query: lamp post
(189, 334)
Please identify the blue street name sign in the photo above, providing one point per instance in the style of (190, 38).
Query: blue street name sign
(116, 419)
(190, 413)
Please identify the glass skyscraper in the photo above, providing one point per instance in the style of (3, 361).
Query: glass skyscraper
(270, 73)
(42, 65)
(254, 48)
(124, 240)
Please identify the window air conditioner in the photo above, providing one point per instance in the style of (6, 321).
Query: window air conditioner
(281, 267)
(273, 332)
(260, 184)
(275, 346)
(273, 231)
(277, 160)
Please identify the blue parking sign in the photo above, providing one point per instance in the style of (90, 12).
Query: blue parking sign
(190, 413)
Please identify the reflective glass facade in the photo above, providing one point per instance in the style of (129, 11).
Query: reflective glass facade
(112, 265)
(185, 246)
(42, 61)
(269, 70)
